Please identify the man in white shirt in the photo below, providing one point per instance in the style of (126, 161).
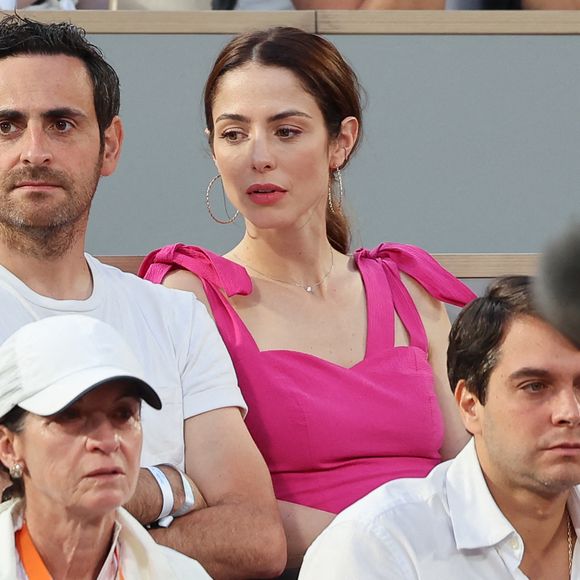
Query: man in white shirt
(59, 133)
(507, 506)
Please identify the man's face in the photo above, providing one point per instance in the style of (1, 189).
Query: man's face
(50, 151)
(527, 434)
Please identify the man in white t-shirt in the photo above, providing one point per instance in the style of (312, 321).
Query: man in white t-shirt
(508, 506)
(59, 132)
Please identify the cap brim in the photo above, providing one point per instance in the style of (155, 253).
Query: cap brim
(58, 396)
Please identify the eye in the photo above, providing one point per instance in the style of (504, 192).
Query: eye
(63, 126)
(287, 132)
(7, 127)
(232, 135)
(534, 387)
(68, 415)
(128, 411)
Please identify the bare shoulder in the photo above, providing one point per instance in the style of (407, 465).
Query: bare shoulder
(185, 280)
(431, 310)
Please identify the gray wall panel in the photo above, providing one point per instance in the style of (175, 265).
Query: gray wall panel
(472, 143)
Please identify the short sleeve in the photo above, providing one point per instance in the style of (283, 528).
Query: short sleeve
(208, 376)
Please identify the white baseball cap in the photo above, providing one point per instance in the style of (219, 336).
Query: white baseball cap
(46, 366)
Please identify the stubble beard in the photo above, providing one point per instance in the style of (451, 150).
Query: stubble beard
(45, 234)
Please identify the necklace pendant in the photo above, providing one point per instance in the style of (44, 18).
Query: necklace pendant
(308, 289)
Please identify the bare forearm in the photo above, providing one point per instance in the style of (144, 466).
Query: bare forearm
(302, 525)
(147, 500)
(229, 540)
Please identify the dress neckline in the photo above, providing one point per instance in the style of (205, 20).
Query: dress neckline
(380, 328)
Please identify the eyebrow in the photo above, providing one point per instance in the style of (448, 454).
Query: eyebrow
(11, 115)
(15, 115)
(63, 112)
(272, 118)
(525, 372)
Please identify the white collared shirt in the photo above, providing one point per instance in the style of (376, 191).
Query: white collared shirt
(446, 526)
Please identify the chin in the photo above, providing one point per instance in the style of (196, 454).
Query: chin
(104, 502)
(98, 511)
(560, 481)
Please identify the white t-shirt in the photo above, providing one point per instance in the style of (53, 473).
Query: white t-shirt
(170, 332)
(445, 526)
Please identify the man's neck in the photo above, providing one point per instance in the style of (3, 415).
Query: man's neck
(542, 523)
(66, 277)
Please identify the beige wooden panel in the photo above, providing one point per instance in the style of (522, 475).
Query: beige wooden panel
(160, 4)
(488, 265)
(178, 22)
(461, 265)
(322, 21)
(447, 22)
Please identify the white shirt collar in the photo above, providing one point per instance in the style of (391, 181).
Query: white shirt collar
(477, 520)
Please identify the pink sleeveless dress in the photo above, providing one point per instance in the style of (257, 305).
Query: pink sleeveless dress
(331, 434)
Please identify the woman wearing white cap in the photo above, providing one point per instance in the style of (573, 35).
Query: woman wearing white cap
(70, 437)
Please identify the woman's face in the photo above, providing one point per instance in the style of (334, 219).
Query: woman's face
(84, 459)
(271, 146)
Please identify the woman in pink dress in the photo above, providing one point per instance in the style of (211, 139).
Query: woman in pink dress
(340, 356)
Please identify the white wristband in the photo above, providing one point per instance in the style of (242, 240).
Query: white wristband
(166, 491)
(189, 497)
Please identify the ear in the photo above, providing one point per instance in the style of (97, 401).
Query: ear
(8, 455)
(469, 408)
(113, 139)
(341, 147)
(207, 135)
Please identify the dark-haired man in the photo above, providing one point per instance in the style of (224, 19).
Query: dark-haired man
(59, 133)
(507, 506)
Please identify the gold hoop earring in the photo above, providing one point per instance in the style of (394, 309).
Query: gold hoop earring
(16, 471)
(208, 204)
(335, 176)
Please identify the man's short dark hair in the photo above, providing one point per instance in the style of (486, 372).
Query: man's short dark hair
(22, 36)
(479, 331)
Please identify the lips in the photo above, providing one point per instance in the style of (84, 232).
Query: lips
(104, 471)
(265, 193)
(264, 188)
(37, 184)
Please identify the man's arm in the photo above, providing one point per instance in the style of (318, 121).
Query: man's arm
(147, 501)
(239, 534)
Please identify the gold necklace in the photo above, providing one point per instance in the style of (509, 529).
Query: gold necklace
(306, 287)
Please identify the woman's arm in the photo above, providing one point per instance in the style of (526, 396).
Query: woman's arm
(437, 326)
(302, 526)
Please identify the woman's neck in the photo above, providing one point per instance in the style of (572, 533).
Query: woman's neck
(294, 256)
(70, 547)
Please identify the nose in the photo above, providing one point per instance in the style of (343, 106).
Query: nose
(262, 155)
(567, 407)
(35, 146)
(102, 435)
